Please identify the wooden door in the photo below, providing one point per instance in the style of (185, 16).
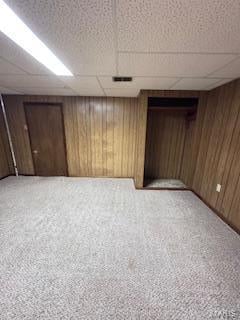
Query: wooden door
(46, 131)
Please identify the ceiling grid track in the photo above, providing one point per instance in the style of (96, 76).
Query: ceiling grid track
(160, 44)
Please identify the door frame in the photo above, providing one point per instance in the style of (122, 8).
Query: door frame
(59, 104)
(189, 114)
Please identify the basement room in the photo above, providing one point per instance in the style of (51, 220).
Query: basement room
(119, 159)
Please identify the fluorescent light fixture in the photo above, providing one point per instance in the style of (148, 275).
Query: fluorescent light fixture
(14, 28)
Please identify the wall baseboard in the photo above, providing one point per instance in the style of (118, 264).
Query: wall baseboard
(20, 174)
(4, 177)
(162, 189)
(219, 214)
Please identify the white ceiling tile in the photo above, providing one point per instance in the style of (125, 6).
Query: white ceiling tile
(124, 92)
(153, 83)
(84, 85)
(80, 33)
(90, 92)
(171, 65)
(179, 25)
(47, 91)
(15, 81)
(194, 83)
(85, 36)
(218, 84)
(232, 70)
(8, 68)
(17, 56)
(8, 91)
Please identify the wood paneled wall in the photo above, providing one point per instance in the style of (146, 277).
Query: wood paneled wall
(166, 132)
(5, 156)
(19, 133)
(190, 150)
(106, 137)
(141, 118)
(100, 134)
(192, 142)
(218, 159)
(212, 148)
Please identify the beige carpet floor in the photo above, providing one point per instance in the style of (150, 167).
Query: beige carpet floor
(165, 183)
(78, 248)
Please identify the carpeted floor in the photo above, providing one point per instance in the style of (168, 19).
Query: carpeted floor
(165, 183)
(78, 248)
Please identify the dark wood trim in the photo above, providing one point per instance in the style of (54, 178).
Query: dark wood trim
(172, 93)
(43, 103)
(219, 214)
(20, 174)
(162, 189)
(64, 141)
(175, 110)
(4, 177)
(29, 137)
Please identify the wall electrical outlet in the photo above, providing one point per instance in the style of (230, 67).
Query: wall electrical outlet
(218, 188)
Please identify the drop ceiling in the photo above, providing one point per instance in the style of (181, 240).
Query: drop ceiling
(167, 44)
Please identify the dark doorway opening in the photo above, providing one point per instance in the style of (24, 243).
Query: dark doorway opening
(168, 125)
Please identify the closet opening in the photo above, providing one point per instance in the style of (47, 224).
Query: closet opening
(169, 124)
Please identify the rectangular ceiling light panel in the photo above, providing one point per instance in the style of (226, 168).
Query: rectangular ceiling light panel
(14, 28)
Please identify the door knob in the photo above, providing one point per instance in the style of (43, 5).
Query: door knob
(35, 151)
